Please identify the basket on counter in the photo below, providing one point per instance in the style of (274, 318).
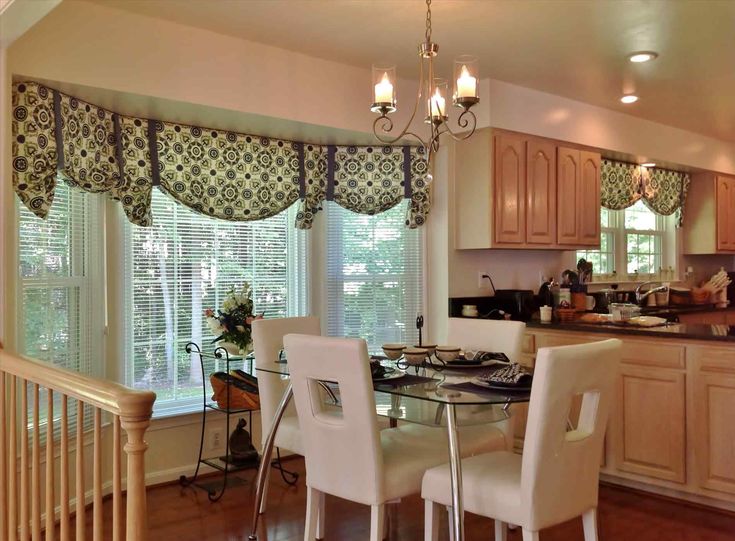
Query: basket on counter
(566, 315)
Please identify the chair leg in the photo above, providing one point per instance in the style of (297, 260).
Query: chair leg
(321, 517)
(264, 501)
(312, 513)
(450, 521)
(528, 535)
(377, 522)
(589, 523)
(431, 521)
(501, 531)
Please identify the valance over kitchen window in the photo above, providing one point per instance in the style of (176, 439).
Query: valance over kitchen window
(662, 191)
(226, 175)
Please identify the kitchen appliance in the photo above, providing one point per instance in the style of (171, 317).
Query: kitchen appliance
(519, 303)
(731, 288)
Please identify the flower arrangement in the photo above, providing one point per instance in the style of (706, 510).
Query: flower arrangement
(233, 322)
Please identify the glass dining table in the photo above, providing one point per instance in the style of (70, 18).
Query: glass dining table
(430, 395)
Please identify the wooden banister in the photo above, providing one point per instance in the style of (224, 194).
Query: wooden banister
(20, 451)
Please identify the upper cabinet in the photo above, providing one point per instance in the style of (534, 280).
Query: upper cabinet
(709, 215)
(520, 191)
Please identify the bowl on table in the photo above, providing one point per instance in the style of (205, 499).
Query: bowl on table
(447, 354)
(415, 356)
(394, 351)
(428, 347)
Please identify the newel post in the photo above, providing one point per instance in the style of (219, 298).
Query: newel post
(135, 418)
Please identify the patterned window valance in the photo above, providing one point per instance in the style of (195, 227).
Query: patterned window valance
(662, 191)
(226, 175)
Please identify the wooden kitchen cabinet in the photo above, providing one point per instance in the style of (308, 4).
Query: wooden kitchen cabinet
(649, 421)
(714, 428)
(510, 189)
(520, 191)
(578, 197)
(709, 221)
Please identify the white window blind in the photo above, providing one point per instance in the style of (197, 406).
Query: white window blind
(374, 276)
(61, 318)
(185, 263)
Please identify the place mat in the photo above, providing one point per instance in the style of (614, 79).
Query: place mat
(405, 381)
(472, 388)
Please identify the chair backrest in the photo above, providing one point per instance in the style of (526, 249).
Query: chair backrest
(267, 344)
(487, 335)
(561, 464)
(342, 447)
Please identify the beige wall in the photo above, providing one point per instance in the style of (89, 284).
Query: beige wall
(100, 48)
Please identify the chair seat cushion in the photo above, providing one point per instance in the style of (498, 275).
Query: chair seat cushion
(491, 485)
(411, 449)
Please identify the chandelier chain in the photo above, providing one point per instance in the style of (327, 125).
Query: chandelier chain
(428, 21)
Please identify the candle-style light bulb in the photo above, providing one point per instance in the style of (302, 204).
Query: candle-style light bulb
(384, 90)
(437, 104)
(466, 84)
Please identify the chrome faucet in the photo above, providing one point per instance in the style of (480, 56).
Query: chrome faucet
(640, 296)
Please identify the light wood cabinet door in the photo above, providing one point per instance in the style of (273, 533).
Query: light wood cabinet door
(731, 213)
(568, 197)
(510, 190)
(540, 192)
(723, 197)
(588, 212)
(649, 423)
(714, 407)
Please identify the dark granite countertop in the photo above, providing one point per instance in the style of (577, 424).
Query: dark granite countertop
(684, 331)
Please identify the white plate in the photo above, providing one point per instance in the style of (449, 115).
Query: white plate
(647, 321)
(393, 375)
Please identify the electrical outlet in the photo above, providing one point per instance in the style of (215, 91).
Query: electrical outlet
(215, 439)
(482, 283)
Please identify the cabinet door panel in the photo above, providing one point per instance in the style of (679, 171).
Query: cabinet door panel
(541, 192)
(650, 423)
(731, 214)
(567, 182)
(715, 431)
(510, 190)
(589, 204)
(723, 197)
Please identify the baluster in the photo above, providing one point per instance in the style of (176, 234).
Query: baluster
(64, 494)
(24, 478)
(3, 460)
(36, 473)
(13, 463)
(81, 526)
(116, 481)
(135, 448)
(50, 482)
(97, 477)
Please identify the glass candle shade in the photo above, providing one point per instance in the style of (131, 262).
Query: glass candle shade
(384, 89)
(437, 104)
(466, 80)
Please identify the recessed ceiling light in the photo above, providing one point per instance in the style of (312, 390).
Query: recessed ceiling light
(643, 56)
(629, 98)
(648, 164)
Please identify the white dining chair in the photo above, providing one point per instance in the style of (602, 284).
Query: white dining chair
(557, 477)
(267, 345)
(346, 454)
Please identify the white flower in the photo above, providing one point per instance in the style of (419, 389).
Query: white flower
(240, 328)
(214, 325)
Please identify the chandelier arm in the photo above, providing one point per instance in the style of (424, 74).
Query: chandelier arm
(387, 122)
(463, 122)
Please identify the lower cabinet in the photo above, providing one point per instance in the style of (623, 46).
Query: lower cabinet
(714, 419)
(648, 423)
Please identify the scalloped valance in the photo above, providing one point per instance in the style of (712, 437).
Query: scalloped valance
(222, 174)
(662, 191)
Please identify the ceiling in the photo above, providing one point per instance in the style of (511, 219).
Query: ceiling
(573, 48)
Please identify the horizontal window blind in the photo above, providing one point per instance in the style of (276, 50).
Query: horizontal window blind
(374, 276)
(60, 276)
(186, 263)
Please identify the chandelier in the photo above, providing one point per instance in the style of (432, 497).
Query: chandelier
(431, 89)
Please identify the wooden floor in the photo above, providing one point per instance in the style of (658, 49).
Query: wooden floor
(187, 515)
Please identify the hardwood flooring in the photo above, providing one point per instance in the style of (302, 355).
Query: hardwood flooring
(187, 515)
